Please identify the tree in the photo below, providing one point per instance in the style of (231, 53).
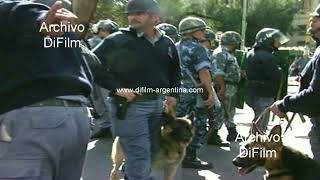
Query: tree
(220, 16)
(172, 11)
(225, 17)
(272, 13)
(111, 9)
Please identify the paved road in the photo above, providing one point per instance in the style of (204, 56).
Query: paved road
(98, 164)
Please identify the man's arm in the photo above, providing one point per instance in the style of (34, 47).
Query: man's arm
(103, 73)
(306, 97)
(20, 18)
(220, 60)
(202, 66)
(175, 76)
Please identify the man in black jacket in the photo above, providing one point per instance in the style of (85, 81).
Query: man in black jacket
(307, 101)
(42, 134)
(140, 61)
(263, 72)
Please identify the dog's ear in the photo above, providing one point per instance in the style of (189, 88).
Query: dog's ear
(275, 131)
(190, 116)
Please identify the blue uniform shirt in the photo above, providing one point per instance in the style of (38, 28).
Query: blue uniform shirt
(194, 57)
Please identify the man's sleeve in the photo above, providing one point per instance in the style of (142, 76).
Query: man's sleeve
(103, 74)
(306, 97)
(200, 58)
(220, 60)
(176, 71)
(20, 19)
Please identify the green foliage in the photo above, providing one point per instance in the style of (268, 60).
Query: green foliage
(111, 9)
(221, 17)
(261, 13)
(272, 13)
(172, 11)
(225, 18)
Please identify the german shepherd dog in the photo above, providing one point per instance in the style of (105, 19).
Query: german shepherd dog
(176, 135)
(284, 164)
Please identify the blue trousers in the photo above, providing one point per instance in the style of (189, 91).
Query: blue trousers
(259, 104)
(43, 143)
(186, 104)
(139, 136)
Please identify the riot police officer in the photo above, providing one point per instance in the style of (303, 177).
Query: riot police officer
(195, 64)
(102, 29)
(263, 72)
(307, 100)
(139, 57)
(227, 77)
(170, 30)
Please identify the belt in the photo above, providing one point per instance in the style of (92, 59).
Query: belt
(57, 102)
(146, 97)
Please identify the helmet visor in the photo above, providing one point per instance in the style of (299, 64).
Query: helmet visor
(280, 37)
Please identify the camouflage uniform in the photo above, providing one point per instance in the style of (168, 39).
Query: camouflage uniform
(227, 66)
(210, 36)
(194, 58)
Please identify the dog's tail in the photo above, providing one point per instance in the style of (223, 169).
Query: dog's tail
(116, 157)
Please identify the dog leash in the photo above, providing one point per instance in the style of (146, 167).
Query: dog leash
(264, 113)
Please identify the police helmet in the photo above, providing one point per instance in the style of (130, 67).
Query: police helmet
(230, 38)
(136, 6)
(191, 24)
(269, 35)
(316, 12)
(105, 25)
(169, 30)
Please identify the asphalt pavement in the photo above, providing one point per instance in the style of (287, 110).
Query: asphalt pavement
(98, 163)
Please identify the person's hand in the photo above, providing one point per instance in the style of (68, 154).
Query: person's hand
(171, 102)
(57, 15)
(170, 105)
(274, 108)
(127, 93)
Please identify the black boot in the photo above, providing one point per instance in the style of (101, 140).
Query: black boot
(192, 161)
(215, 139)
(234, 135)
